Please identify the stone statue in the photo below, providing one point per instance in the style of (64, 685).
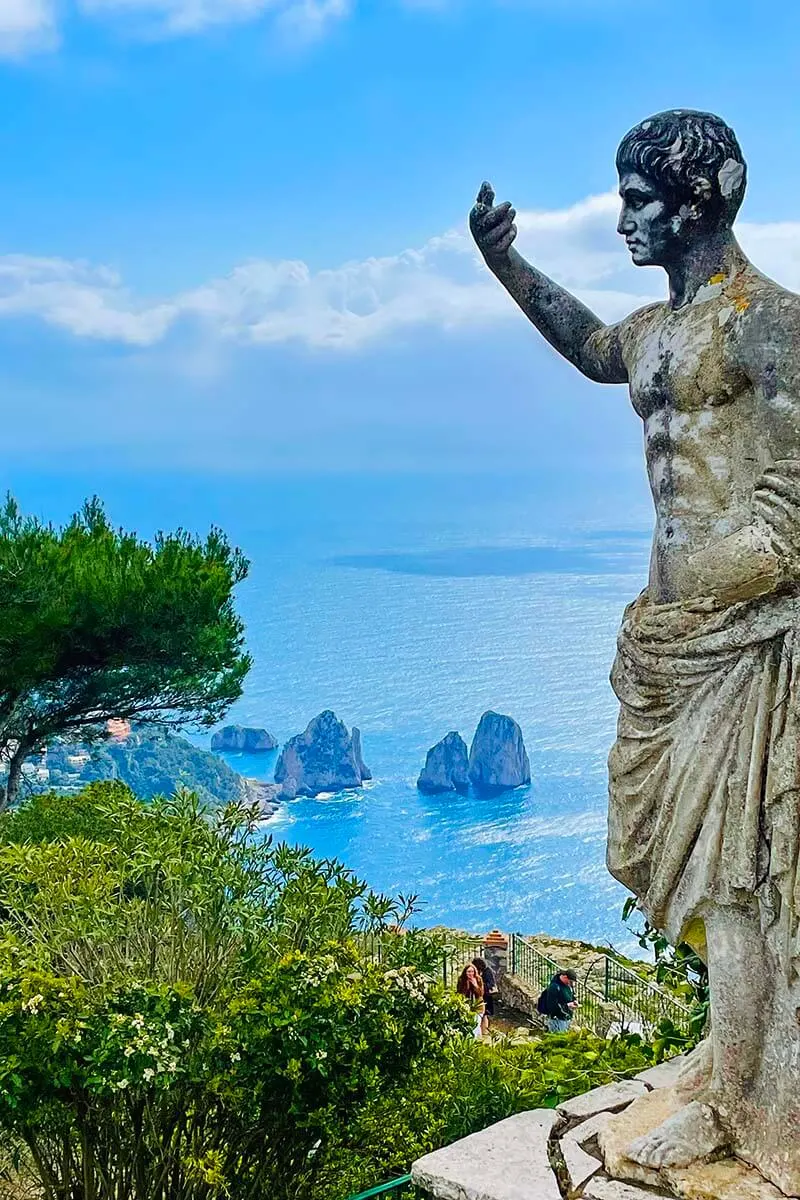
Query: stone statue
(704, 808)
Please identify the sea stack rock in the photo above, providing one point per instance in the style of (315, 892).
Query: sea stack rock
(497, 758)
(326, 758)
(446, 766)
(361, 766)
(240, 738)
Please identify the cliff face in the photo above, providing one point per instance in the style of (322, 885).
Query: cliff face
(497, 757)
(361, 766)
(446, 766)
(324, 758)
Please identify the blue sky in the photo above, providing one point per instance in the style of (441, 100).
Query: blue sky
(233, 231)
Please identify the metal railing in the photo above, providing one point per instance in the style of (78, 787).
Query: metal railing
(456, 955)
(398, 1189)
(611, 997)
(537, 969)
(644, 1004)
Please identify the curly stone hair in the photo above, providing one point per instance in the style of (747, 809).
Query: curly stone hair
(676, 149)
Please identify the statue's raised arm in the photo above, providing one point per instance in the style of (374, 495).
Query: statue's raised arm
(568, 325)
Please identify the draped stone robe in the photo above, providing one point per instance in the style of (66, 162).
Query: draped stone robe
(705, 773)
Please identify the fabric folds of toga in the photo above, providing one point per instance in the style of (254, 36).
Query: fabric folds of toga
(704, 777)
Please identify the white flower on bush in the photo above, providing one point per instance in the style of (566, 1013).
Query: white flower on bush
(410, 980)
(319, 972)
(33, 1004)
(157, 1048)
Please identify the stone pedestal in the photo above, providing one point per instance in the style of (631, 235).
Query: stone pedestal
(724, 1179)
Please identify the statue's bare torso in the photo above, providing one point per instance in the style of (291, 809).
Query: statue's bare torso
(707, 381)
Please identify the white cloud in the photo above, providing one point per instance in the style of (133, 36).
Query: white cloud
(87, 301)
(26, 26)
(441, 285)
(30, 26)
(308, 18)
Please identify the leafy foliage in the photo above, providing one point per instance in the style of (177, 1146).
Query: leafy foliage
(680, 969)
(96, 623)
(189, 1013)
(184, 1011)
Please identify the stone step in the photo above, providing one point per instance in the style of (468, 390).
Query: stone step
(610, 1098)
(507, 1161)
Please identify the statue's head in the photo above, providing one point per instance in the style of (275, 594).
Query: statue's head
(681, 179)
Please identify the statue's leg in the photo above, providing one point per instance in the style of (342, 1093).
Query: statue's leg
(718, 1109)
(742, 976)
(766, 1120)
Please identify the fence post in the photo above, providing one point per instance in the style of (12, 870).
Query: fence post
(512, 953)
(495, 950)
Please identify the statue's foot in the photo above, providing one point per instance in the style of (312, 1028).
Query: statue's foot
(691, 1133)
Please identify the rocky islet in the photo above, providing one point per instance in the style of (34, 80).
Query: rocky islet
(326, 757)
(497, 759)
(243, 739)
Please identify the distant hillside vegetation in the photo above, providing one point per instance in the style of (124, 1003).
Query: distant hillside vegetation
(151, 763)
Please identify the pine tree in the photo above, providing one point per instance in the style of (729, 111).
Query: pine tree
(96, 623)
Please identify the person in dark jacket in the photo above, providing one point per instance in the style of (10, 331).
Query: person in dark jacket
(560, 1002)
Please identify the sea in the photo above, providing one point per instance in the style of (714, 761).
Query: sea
(410, 605)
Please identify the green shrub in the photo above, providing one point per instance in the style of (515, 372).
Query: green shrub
(468, 1087)
(53, 817)
(184, 1011)
(681, 971)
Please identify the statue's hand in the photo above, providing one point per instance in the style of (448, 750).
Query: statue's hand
(492, 227)
(737, 567)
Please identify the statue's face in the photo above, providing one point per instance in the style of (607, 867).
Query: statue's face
(648, 222)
